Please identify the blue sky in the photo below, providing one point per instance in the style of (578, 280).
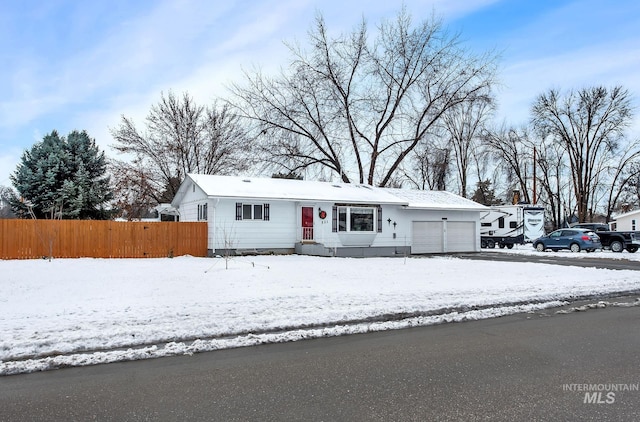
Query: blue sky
(82, 64)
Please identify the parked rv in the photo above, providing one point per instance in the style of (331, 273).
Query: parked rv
(508, 225)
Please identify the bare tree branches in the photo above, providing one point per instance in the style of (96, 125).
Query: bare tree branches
(514, 150)
(180, 137)
(464, 124)
(623, 174)
(134, 190)
(431, 165)
(7, 195)
(359, 108)
(589, 123)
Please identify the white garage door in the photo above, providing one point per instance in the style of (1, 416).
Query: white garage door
(461, 236)
(443, 236)
(427, 237)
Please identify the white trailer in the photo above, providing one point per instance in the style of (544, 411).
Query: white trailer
(507, 225)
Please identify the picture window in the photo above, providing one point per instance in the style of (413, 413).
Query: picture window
(356, 219)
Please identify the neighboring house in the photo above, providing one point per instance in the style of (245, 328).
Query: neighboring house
(261, 215)
(629, 221)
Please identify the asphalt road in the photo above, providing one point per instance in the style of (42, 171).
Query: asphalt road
(555, 259)
(511, 368)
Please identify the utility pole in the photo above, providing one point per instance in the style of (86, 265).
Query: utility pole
(535, 199)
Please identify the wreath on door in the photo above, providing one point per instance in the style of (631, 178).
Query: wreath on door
(322, 214)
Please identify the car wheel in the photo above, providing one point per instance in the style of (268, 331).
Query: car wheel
(510, 246)
(501, 245)
(483, 244)
(574, 247)
(540, 247)
(491, 244)
(632, 249)
(617, 246)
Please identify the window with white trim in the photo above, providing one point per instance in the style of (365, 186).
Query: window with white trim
(356, 219)
(202, 212)
(252, 211)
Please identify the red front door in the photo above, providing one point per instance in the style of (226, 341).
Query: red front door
(307, 223)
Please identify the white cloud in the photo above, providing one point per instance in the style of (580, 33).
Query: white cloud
(177, 42)
(200, 47)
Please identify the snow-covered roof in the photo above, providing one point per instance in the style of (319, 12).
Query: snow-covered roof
(166, 209)
(626, 214)
(305, 190)
(436, 199)
(291, 189)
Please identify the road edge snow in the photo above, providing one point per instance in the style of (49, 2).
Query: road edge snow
(255, 339)
(187, 348)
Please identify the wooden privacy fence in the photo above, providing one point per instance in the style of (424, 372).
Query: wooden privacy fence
(24, 239)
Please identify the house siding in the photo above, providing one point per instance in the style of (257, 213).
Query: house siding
(284, 228)
(625, 222)
(403, 218)
(193, 197)
(323, 232)
(276, 233)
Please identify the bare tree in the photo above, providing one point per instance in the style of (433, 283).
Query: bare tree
(464, 124)
(7, 195)
(430, 164)
(181, 137)
(622, 176)
(513, 150)
(554, 181)
(360, 108)
(589, 124)
(484, 164)
(134, 190)
(632, 190)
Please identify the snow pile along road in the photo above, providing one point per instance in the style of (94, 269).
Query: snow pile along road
(86, 311)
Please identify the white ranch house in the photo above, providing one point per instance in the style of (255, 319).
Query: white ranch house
(248, 215)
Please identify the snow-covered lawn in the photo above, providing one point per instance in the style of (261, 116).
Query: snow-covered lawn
(527, 249)
(85, 311)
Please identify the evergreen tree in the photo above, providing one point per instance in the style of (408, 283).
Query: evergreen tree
(62, 178)
(485, 194)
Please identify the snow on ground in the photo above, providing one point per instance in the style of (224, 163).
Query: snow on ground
(527, 249)
(69, 312)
